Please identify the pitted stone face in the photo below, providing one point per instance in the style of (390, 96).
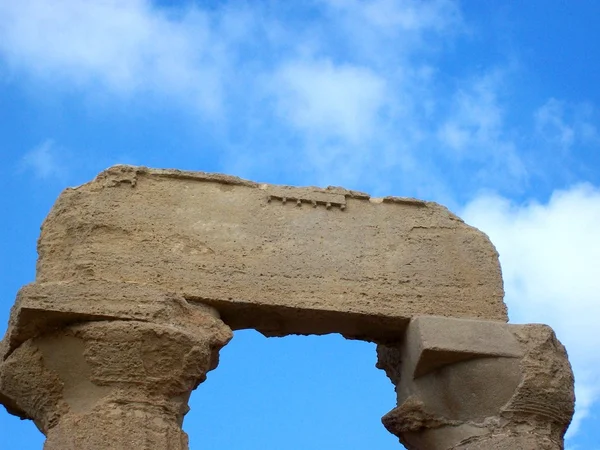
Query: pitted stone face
(278, 259)
(142, 275)
(478, 385)
(119, 384)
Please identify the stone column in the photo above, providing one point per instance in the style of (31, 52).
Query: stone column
(111, 383)
(478, 385)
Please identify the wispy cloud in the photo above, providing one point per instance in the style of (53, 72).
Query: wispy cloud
(475, 129)
(475, 119)
(125, 47)
(45, 162)
(410, 25)
(332, 101)
(354, 80)
(549, 254)
(563, 125)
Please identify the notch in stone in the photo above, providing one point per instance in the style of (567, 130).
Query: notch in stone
(313, 196)
(434, 342)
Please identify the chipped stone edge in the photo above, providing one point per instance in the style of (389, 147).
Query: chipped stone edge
(123, 173)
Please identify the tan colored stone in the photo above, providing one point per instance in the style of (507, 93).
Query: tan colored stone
(117, 384)
(433, 342)
(143, 274)
(511, 388)
(41, 307)
(278, 259)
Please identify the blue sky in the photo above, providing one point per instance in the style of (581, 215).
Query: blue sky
(490, 108)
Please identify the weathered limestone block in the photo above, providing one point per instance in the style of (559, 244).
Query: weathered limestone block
(478, 385)
(109, 381)
(277, 259)
(142, 275)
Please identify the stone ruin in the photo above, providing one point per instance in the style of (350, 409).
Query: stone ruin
(143, 274)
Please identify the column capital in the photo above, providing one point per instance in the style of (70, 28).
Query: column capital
(120, 378)
(470, 384)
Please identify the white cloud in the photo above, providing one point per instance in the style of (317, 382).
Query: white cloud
(475, 128)
(319, 97)
(355, 84)
(563, 125)
(413, 15)
(352, 81)
(125, 47)
(360, 91)
(550, 255)
(44, 162)
(475, 116)
(399, 16)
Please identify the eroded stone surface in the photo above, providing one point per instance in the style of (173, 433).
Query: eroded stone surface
(118, 384)
(278, 259)
(511, 388)
(143, 274)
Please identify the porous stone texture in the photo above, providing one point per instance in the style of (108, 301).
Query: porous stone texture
(274, 258)
(118, 384)
(143, 274)
(478, 385)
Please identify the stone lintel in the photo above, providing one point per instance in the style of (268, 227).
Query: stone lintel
(282, 320)
(284, 260)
